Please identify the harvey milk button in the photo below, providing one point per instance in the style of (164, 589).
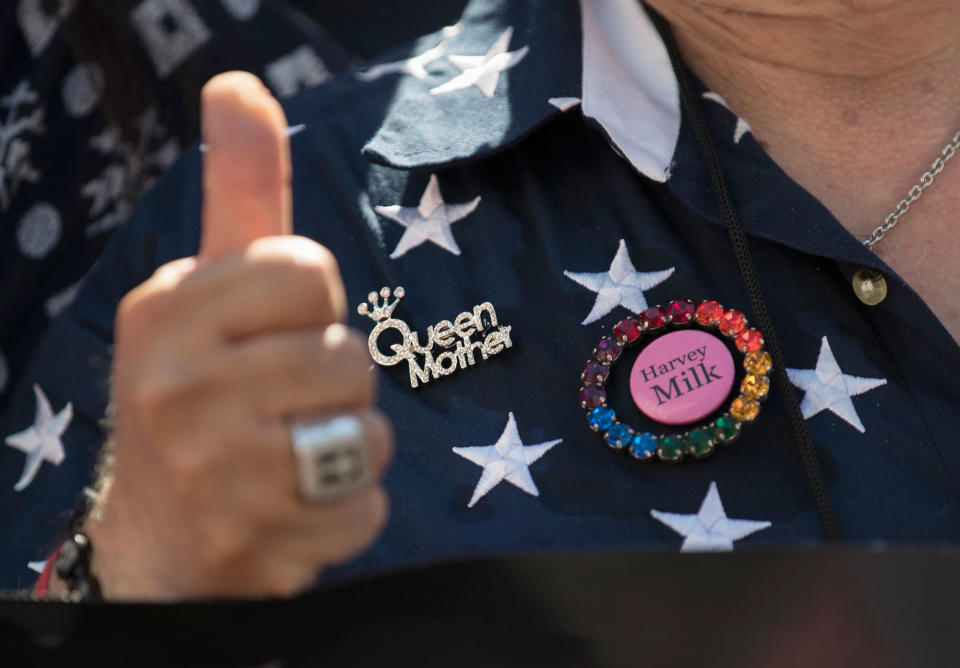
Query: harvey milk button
(682, 377)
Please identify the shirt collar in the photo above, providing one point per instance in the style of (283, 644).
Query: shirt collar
(628, 76)
(439, 119)
(558, 52)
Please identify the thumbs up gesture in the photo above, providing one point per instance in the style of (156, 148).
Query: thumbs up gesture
(215, 355)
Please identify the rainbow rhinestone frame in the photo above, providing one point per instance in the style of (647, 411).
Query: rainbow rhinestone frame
(700, 441)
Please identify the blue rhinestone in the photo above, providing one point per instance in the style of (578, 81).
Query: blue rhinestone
(601, 418)
(618, 436)
(643, 446)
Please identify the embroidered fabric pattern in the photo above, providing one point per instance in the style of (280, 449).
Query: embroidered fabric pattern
(699, 441)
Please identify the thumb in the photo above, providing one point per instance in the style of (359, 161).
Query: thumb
(246, 166)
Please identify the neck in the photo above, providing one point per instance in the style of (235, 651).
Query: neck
(852, 98)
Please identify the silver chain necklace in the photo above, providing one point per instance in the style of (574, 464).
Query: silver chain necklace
(870, 285)
(925, 181)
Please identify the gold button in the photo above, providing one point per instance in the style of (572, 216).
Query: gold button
(870, 286)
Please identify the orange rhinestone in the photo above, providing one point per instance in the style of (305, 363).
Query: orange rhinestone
(758, 363)
(732, 322)
(755, 388)
(744, 410)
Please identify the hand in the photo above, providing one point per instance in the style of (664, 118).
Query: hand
(214, 356)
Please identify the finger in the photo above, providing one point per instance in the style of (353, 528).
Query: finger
(271, 468)
(332, 535)
(145, 309)
(250, 466)
(299, 553)
(262, 456)
(301, 372)
(246, 166)
(278, 284)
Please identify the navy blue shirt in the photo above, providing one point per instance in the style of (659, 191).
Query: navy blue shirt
(538, 201)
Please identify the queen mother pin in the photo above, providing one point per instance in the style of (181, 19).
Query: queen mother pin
(683, 378)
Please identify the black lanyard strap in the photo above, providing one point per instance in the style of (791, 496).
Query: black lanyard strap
(808, 453)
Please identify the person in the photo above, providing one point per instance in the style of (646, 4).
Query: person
(544, 175)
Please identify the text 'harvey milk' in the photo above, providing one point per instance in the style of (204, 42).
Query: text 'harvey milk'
(689, 372)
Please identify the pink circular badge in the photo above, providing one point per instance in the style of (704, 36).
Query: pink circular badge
(682, 377)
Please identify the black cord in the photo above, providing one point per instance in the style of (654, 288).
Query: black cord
(808, 454)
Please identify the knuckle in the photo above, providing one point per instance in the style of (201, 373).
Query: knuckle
(372, 510)
(227, 545)
(159, 397)
(300, 359)
(310, 277)
(149, 304)
(306, 267)
(352, 361)
(283, 582)
(322, 271)
(353, 346)
(376, 512)
(311, 261)
(358, 523)
(324, 259)
(185, 481)
(192, 476)
(152, 400)
(141, 310)
(379, 511)
(382, 437)
(190, 471)
(295, 360)
(317, 258)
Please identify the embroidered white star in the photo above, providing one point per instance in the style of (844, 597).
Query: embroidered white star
(483, 71)
(429, 221)
(710, 530)
(507, 459)
(414, 67)
(826, 387)
(742, 126)
(621, 285)
(565, 103)
(41, 441)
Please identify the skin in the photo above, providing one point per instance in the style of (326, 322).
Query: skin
(853, 99)
(214, 354)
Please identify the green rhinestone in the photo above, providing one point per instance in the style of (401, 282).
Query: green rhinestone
(699, 443)
(725, 429)
(671, 448)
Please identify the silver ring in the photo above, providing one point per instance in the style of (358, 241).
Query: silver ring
(333, 458)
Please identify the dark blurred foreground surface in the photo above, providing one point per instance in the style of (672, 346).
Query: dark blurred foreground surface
(801, 608)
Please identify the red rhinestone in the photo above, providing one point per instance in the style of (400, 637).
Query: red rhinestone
(627, 330)
(608, 350)
(591, 397)
(749, 340)
(708, 313)
(681, 311)
(594, 373)
(653, 317)
(732, 322)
